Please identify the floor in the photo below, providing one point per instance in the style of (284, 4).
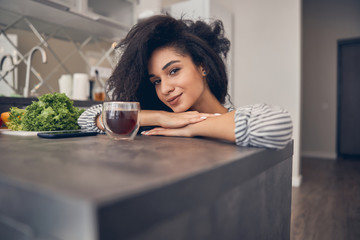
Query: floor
(327, 205)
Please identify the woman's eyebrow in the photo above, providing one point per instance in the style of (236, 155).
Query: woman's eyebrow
(164, 67)
(169, 63)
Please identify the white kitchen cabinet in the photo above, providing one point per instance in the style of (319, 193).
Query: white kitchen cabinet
(110, 19)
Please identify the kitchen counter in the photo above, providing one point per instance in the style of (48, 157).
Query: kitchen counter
(150, 188)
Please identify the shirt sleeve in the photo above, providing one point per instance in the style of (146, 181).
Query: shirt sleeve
(87, 120)
(261, 125)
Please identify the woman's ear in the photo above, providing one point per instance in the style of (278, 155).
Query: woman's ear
(203, 71)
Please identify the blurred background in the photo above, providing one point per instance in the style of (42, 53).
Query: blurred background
(302, 55)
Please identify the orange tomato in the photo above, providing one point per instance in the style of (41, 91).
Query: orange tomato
(5, 117)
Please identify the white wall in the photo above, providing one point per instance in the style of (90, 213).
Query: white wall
(146, 8)
(267, 58)
(324, 22)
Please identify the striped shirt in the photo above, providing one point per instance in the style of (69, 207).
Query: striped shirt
(261, 125)
(258, 125)
(87, 120)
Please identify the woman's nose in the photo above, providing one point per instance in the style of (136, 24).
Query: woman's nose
(166, 87)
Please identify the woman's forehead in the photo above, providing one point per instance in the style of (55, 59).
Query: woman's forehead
(162, 56)
(166, 52)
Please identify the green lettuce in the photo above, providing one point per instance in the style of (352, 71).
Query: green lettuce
(52, 112)
(15, 119)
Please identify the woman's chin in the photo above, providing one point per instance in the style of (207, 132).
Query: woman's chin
(179, 109)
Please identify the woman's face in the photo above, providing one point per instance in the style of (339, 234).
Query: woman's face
(178, 82)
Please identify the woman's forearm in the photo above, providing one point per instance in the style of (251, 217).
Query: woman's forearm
(221, 127)
(149, 118)
(171, 119)
(257, 125)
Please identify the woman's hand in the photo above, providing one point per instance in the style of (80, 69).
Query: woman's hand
(178, 120)
(171, 120)
(174, 132)
(221, 127)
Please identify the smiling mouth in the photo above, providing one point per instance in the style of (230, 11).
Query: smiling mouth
(174, 100)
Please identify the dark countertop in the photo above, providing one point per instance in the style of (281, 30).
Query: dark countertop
(93, 179)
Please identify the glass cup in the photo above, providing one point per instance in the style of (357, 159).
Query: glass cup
(121, 119)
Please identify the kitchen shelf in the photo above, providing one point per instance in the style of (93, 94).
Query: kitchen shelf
(88, 21)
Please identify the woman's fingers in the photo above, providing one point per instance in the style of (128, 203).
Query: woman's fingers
(177, 120)
(197, 114)
(182, 128)
(197, 119)
(214, 115)
(153, 131)
(180, 132)
(201, 117)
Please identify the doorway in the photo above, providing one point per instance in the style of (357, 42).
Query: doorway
(348, 114)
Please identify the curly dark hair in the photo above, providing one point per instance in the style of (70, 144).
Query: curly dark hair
(204, 43)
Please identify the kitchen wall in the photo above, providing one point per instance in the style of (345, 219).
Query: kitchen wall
(324, 23)
(65, 32)
(62, 48)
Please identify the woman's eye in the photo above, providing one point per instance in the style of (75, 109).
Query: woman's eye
(173, 71)
(156, 82)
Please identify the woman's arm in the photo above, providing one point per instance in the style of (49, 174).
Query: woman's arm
(258, 125)
(91, 119)
(262, 125)
(221, 127)
(170, 119)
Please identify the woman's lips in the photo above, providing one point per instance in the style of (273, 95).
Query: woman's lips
(174, 100)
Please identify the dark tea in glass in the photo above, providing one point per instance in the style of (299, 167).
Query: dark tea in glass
(121, 122)
(121, 119)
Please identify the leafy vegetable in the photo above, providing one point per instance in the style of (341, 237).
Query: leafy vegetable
(52, 112)
(15, 118)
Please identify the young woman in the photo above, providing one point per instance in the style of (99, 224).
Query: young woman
(175, 69)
